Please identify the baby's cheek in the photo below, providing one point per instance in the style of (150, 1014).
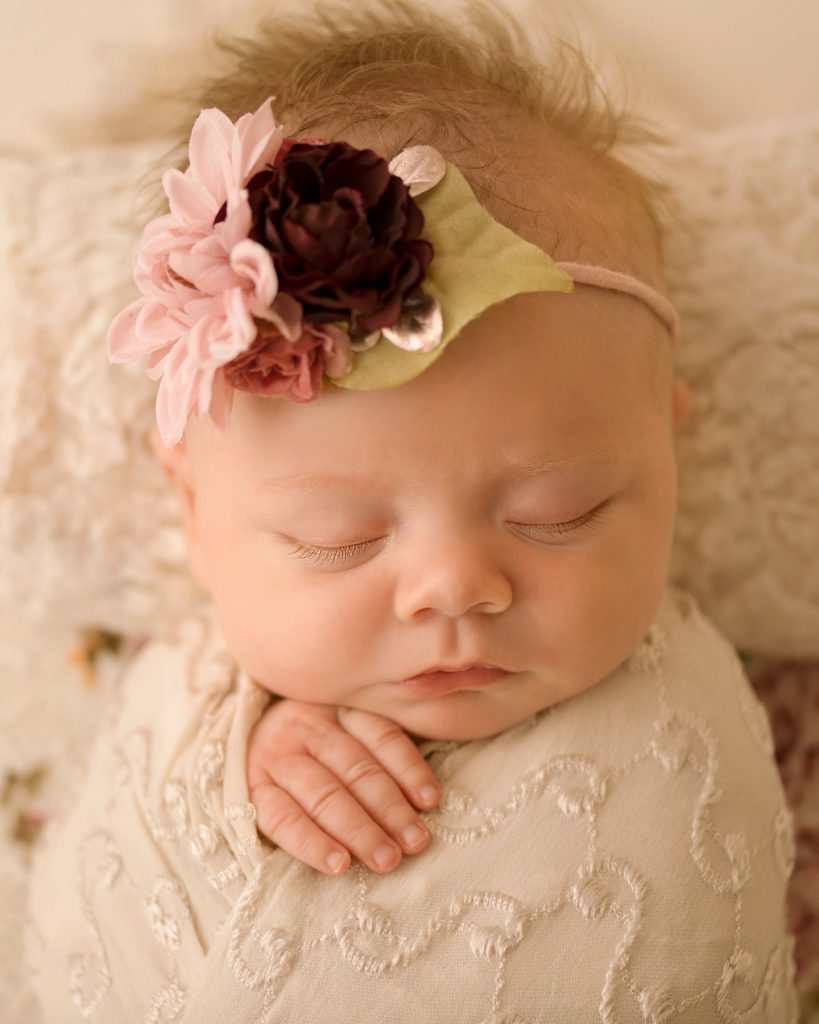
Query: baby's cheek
(300, 637)
(595, 603)
(631, 582)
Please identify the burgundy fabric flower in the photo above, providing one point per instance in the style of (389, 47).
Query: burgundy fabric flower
(343, 233)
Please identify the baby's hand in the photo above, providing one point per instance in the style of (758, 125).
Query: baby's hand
(328, 782)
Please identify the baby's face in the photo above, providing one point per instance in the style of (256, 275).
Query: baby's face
(361, 539)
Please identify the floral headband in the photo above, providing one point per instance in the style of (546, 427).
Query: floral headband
(286, 262)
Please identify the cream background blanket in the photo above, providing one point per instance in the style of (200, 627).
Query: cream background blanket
(622, 856)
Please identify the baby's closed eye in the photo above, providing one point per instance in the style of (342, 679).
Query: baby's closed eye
(338, 554)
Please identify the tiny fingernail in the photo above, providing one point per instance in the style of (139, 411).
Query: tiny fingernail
(429, 794)
(383, 855)
(335, 860)
(413, 834)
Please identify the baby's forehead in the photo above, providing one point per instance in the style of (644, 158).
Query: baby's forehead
(503, 393)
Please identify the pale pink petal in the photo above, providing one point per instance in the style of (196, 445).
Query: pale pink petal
(156, 326)
(158, 227)
(191, 203)
(222, 328)
(174, 398)
(221, 402)
(243, 120)
(209, 152)
(253, 262)
(144, 325)
(285, 314)
(176, 237)
(202, 305)
(123, 343)
(147, 262)
(154, 250)
(200, 338)
(217, 279)
(155, 364)
(241, 329)
(160, 285)
(256, 141)
(210, 274)
(155, 278)
(144, 274)
(204, 389)
(210, 246)
(238, 222)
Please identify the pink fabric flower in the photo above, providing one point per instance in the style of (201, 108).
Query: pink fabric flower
(217, 328)
(252, 213)
(277, 365)
(202, 283)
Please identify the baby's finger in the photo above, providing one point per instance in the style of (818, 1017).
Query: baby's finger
(344, 815)
(284, 822)
(353, 766)
(396, 752)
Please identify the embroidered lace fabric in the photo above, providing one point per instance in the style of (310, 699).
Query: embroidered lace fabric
(622, 856)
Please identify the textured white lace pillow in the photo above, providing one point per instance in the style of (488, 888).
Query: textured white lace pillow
(89, 531)
(743, 266)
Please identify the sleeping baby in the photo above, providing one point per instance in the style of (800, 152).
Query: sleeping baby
(442, 744)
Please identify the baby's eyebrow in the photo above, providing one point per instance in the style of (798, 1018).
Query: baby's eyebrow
(519, 468)
(535, 466)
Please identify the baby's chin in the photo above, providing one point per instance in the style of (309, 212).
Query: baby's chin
(461, 717)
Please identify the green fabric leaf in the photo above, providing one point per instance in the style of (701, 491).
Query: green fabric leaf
(477, 263)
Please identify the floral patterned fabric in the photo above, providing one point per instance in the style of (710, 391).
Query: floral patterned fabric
(790, 692)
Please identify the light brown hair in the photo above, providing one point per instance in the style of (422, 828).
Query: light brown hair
(393, 73)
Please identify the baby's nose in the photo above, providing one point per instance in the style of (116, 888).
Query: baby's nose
(452, 579)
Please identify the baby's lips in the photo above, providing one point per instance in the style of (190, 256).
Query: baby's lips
(463, 666)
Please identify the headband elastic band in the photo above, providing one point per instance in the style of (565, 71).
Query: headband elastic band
(602, 277)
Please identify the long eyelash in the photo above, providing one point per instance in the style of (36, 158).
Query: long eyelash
(570, 526)
(329, 556)
(332, 556)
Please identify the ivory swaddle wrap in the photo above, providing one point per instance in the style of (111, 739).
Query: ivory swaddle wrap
(620, 857)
